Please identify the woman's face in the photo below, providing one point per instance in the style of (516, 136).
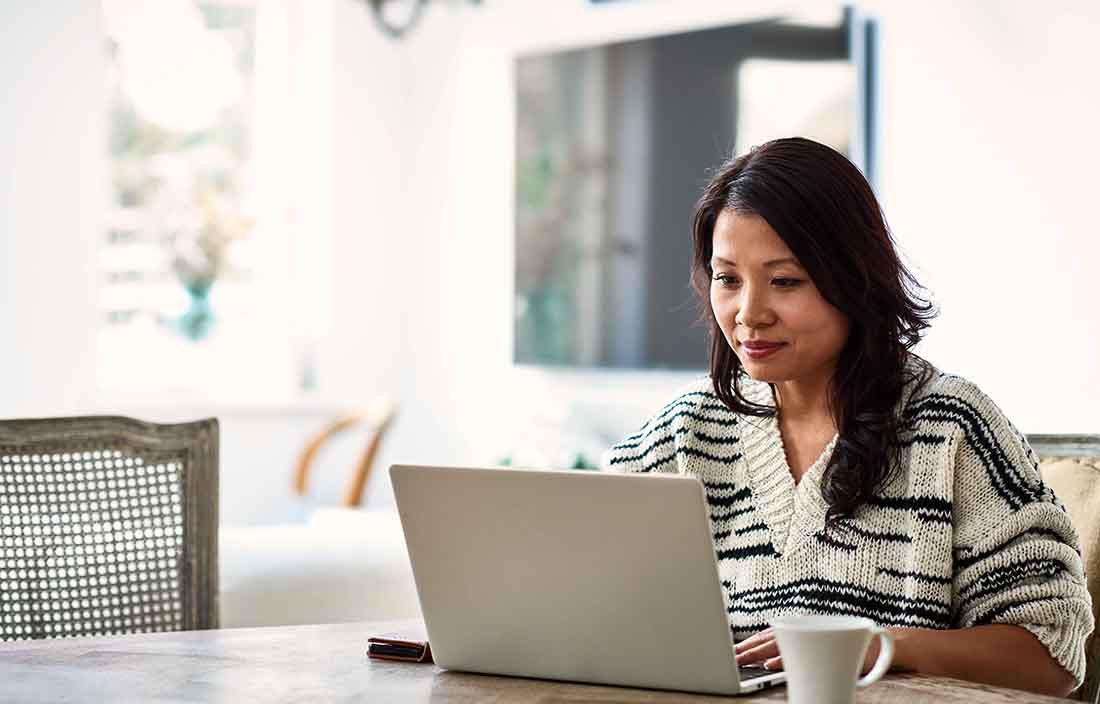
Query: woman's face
(770, 312)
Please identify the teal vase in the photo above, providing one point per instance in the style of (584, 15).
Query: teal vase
(197, 321)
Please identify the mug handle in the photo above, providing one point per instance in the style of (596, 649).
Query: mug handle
(885, 657)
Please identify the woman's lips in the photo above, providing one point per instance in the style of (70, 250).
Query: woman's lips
(760, 350)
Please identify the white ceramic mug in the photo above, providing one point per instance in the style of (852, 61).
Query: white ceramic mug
(822, 656)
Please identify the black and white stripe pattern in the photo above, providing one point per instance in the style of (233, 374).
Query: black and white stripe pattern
(964, 533)
(820, 595)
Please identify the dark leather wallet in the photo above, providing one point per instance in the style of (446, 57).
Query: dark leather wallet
(399, 646)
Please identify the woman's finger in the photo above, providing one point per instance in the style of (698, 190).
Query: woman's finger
(773, 664)
(764, 651)
(754, 639)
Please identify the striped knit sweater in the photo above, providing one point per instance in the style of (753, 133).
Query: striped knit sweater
(964, 533)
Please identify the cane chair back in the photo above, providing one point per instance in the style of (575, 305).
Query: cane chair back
(108, 525)
(1070, 465)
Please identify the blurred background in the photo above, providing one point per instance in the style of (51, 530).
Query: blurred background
(276, 212)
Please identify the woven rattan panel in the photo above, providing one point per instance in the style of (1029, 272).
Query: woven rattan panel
(90, 542)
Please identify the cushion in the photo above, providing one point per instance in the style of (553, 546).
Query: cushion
(1076, 481)
(341, 565)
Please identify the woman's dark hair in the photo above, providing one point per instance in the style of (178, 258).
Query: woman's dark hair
(824, 210)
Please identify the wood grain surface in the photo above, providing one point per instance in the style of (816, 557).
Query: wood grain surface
(328, 664)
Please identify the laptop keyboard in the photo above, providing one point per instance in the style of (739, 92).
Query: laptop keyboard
(750, 671)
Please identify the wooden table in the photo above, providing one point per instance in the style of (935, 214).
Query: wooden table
(328, 664)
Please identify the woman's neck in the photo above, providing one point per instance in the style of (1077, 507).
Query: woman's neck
(806, 424)
(799, 400)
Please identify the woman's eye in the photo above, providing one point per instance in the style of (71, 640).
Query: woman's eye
(782, 282)
(726, 279)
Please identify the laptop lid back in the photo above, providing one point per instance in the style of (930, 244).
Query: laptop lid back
(569, 575)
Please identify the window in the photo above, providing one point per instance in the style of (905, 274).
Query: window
(612, 145)
(210, 287)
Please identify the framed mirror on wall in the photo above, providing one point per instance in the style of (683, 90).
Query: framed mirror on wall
(613, 144)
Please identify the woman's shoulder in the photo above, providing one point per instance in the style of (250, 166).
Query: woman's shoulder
(699, 387)
(700, 394)
(948, 405)
(963, 434)
(694, 405)
(930, 387)
(693, 398)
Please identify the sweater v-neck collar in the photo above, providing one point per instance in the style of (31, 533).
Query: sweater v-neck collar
(792, 511)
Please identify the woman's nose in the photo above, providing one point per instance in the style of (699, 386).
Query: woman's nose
(754, 311)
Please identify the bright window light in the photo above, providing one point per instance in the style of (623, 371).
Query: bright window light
(200, 290)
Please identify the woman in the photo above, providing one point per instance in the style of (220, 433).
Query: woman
(844, 474)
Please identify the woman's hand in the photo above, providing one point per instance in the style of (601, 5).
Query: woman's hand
(761, 649)
(997, 654)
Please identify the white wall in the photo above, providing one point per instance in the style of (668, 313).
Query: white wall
(52, 162)
(989, 145)
(990, 113)
(990, 149)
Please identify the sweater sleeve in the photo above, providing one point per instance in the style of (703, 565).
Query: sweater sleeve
(1017, 557)
(654, 448)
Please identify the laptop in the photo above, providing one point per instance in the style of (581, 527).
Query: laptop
(569, 575)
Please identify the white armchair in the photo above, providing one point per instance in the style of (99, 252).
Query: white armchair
(341, 564)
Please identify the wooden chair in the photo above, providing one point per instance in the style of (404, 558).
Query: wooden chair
(376, 418)
(108, 525)
(1070, 465)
